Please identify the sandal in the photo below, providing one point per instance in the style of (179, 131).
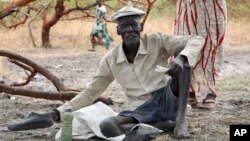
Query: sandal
(91, 49)
(192, 100)
(141, 132)
(209, 102)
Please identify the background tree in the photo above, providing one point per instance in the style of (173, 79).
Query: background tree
(18, 12)
(14, 13)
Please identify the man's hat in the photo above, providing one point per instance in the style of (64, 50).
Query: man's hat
(128, 10)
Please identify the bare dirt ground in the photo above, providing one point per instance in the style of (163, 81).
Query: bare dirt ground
(76, 67)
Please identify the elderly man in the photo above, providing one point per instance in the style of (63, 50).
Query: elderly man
(132, 64)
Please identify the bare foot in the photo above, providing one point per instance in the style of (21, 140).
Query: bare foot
(181, 131)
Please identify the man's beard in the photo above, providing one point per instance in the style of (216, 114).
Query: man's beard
(131, 42)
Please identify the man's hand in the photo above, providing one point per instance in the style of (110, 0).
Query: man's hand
(105, 100)
(55, 115)
(176, 65)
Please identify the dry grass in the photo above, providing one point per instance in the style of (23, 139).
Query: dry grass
(75, 34)
(3, 70)
(1, 67)
(237, 32)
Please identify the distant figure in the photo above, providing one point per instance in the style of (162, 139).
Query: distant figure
(99, 33)
(207, 19)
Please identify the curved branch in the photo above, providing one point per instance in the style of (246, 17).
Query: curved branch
(26, 82)
(67, 95)
(16, 24)
(58, 84)
(30, 69)
(150, 4)
(21, 65)
(63, 94)
(12, 7)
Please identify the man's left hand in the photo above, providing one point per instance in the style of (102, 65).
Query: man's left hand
(176, 65)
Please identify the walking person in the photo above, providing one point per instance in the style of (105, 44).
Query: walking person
(207, 19)
(99, 33)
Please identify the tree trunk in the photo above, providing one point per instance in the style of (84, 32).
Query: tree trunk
(45, 35)
(48, 24)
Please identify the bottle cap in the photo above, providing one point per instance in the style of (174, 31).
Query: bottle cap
(68, 107)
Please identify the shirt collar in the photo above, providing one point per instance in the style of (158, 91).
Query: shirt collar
(121, 57)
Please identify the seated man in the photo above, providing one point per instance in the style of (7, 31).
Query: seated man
(132, 64)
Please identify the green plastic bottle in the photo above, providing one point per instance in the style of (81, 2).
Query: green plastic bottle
(66, 134)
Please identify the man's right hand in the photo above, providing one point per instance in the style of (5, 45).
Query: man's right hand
(55, 115)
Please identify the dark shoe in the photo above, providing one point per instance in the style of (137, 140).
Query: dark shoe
(33, 121)
(141, 132)
(91, 49)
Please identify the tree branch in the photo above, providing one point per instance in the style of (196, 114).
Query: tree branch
(67, 95)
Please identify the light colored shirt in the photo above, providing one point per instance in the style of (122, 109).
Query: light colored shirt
(137, 79)
(102, 8)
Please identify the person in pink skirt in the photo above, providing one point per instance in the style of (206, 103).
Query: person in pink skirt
(207, 19)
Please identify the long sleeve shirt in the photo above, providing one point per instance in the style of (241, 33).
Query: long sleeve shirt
(137, 79)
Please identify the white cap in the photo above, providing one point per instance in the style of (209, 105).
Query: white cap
(128, 10)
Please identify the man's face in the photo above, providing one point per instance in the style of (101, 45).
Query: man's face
(98, 1)
(129, 28)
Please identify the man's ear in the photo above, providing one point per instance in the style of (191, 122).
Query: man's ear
(118, 30)
(141, 27)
